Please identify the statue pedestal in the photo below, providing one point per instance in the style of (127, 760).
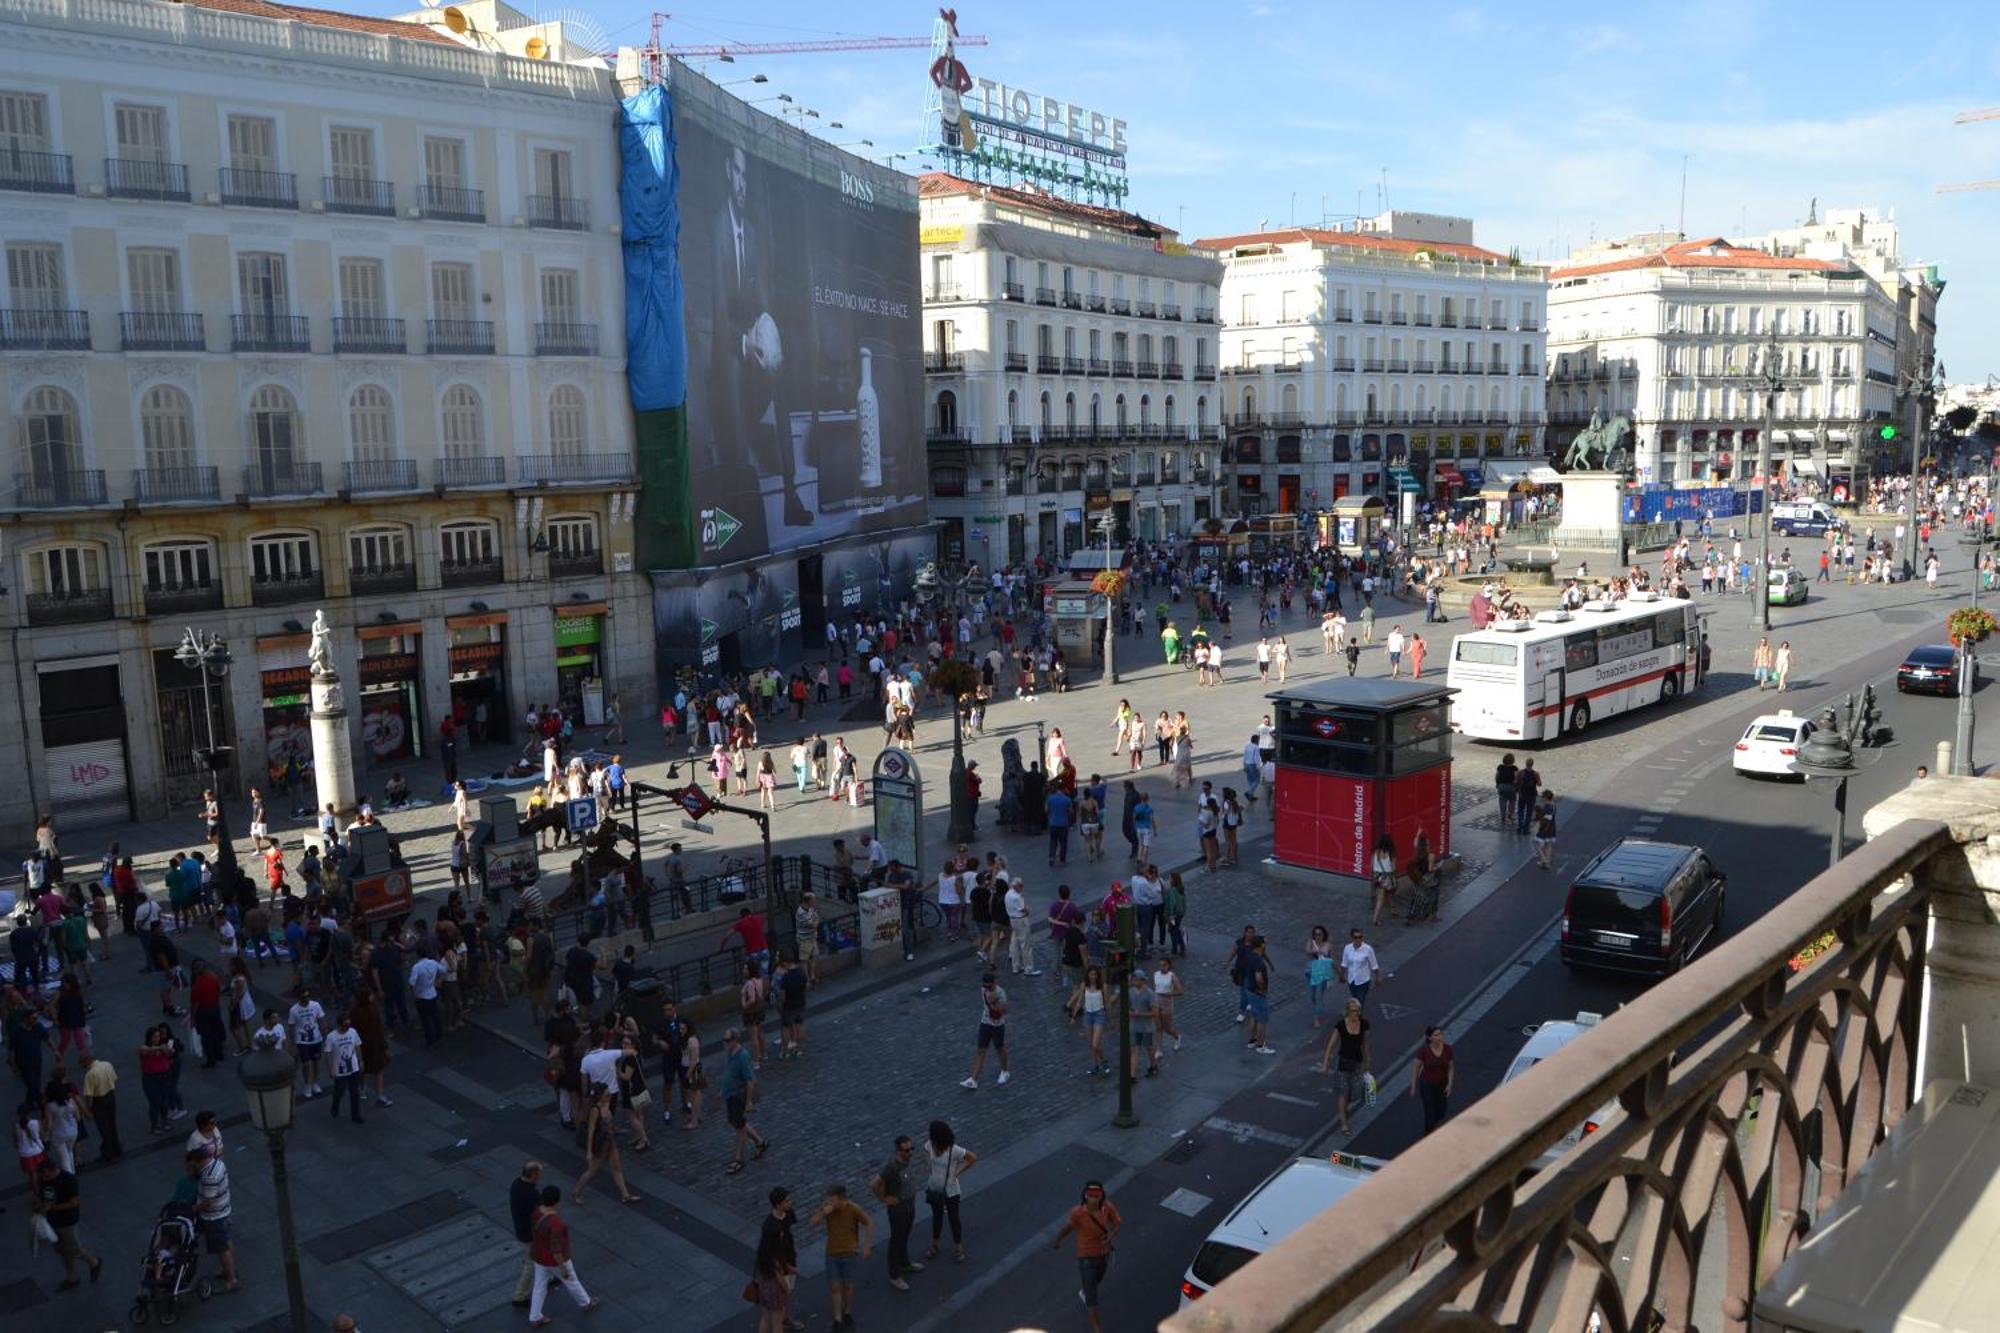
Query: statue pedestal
(1593, 522)
(333, 759)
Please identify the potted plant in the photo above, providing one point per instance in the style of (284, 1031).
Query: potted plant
(1969, 625)
(1804, 957)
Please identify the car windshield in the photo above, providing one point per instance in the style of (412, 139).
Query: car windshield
(1776, 731)
(1215, 1261)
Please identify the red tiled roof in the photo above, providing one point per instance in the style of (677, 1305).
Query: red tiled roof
(328, 18)
(1706, 252)
(938, 184)
(1358, 240)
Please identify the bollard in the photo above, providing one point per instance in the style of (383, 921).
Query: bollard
(1943, 764)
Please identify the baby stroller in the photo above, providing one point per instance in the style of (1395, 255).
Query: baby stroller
(170, 1269)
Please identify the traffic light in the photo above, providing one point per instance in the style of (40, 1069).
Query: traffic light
(1889, 433)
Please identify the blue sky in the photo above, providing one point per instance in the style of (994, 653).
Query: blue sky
(1548, 123)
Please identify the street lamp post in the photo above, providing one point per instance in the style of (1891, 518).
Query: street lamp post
(268, 1078)
(1829, 753)
(1772, 376)
(1924, 385)
(208, 656)
(1108, 522)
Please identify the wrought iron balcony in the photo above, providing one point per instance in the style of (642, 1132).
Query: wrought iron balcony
(164, 485)
(275, 479)
(1073, 365)
(1371, 317)
(1170, 310)
(183, 599)
(1045, 296)
(1048, 365)
(941, 294)
(559, 212)
(1342, 363)
(1121, 367)
(1529, 326)
(1343, 315)
(1373, 364)
(359, 194)
(944, 363)
(1120, 306)
(1447, 320)
(575, 564)
(482, 470)
(352, 334)
(1172, 370)
(451, 203)
(159, 331)
(471, 573)
(1749, 1088)
(139, 178)
(37, 173)
(1146, 370)
(1072, 301)
(1143, 309)
(1098, 366)
(1422, 319)
(1398, 366)
(1204, 372)
(1205, 315)
(244, 188)
(565, 340)
(269, 333)
(291, 588)
(370, 580)
(1018, 434)
(69, 608)
(33, 330)
(558, 469)
(1398, 317)
(380, 476)
(73, 488)
(459, 337)
(1012, 291)
(1094, 304)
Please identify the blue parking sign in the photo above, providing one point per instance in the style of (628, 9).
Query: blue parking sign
(581, 814)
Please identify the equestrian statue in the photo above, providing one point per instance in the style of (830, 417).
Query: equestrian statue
(1598, 444)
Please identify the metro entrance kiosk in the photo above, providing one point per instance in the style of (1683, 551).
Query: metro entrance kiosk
(1357, 758)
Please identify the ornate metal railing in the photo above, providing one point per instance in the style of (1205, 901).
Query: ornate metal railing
(1750, 1095)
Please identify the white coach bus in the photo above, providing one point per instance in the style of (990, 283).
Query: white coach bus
(1537, 680)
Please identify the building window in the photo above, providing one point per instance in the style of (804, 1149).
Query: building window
(947, 413)
(566, 421)
(444, 163)
(141, 133)
(361, 289)
(371, 424)
(66, 571)
(261, 280)
(573, 537)
(253, 143)
(378, 550)
(464, 434)
(1247, 311)
(50, 449)
(282, 557)
(469, 542)
(155, 279)
(24, 123)
(166, 428)
(451, 292)
(179, 565)
(274, 430)
(35, 276)
(352, 152)
(559, 296)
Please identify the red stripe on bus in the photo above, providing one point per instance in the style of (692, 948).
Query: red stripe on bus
(1546, 709)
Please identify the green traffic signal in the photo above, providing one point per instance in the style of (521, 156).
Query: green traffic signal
(1888, 432)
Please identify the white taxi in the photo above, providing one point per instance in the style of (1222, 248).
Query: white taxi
(1771, 743)
(1544, 1040)
(1296, 1193)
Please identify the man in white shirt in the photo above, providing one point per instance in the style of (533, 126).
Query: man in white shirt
(308, 1024)
(601, 1066)
(878, 856)
(425, 974)
(1147, 898)
(1020, 935)
(1253, 766)
(343, 1051)
(1394, 645)
(1359, 965)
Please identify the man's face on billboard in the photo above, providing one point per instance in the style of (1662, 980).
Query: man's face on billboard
(739, 178)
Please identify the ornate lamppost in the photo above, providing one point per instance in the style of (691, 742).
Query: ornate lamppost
(208, 656)
(268, 1077)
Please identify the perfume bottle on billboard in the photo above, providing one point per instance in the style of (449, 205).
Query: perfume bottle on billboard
(868, 421)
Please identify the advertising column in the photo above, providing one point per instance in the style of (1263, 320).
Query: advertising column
(391, 695)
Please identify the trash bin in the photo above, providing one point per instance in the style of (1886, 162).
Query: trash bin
(644, 1001)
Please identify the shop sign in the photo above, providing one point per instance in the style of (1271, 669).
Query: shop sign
(390, 668)
(284, 700)
(941, 235)
(478, 656)
(286, 680)
(573, 631)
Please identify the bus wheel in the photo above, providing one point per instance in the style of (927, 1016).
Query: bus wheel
(1670, 688)
(1579, 718)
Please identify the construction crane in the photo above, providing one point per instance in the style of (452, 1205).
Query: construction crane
(654, 55)
(1983, 113)
(1967, 118)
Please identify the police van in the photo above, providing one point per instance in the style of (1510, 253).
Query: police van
(1805, 518)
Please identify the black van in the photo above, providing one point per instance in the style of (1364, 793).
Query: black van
(1642, 906)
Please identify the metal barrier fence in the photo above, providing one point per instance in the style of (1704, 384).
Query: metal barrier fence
(783, 882)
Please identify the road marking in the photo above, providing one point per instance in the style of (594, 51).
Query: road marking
(1295, 1101)
(1393, 1011)
(1244, 1133)
(1186, 1202)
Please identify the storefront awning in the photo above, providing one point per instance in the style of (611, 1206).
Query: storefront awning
(1472, 478)
(1510, 471)
(1803, 467)
(1405, 480)
(1450, 475)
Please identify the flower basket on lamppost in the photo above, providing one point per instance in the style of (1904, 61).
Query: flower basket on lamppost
(1110, 584)
(955, 679)
(1970, 625)
(1967, 626)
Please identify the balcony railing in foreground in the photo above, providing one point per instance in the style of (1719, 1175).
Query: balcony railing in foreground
(1750, 1094)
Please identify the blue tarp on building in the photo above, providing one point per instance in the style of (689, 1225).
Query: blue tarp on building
(655, 334)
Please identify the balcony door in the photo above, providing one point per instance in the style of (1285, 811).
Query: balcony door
(265, 295)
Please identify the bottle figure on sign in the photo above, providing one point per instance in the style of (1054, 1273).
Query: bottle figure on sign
(868, 421)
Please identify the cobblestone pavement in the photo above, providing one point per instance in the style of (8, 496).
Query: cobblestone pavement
(402, 1221)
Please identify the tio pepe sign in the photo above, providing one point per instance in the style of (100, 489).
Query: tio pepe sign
(1048, 115)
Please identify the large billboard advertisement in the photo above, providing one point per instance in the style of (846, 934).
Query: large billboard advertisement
(805, 372)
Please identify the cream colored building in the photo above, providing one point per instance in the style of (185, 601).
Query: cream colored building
(302, 310)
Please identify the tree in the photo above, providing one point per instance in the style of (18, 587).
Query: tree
(1960, 419)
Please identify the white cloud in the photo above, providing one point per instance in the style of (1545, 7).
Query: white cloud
(1604, 37)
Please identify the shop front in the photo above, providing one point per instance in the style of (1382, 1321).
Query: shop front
(84, 760)
(477, 661)
(579, 643)
(391, 695)
(189, 715)
(286, 694)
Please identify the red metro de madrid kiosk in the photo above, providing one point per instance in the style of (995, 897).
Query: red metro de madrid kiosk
(1359, 757)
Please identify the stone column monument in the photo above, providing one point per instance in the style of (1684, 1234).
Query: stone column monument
(333, 758)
